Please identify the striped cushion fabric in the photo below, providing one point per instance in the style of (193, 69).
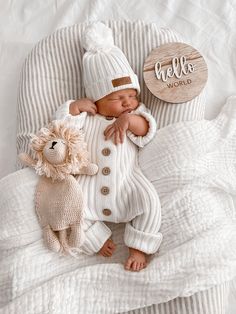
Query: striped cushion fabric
(52, 74)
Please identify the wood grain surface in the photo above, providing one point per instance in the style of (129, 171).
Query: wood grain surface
(175, 72)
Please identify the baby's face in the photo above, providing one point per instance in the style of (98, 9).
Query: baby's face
(119, 102)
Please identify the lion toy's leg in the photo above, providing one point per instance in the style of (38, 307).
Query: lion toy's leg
(51, 239)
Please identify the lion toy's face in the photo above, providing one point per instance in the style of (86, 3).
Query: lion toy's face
(59, 150)
(55, 151)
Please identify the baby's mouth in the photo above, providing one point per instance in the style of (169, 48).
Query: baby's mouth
(127, 111)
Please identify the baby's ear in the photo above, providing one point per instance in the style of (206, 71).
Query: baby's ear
(138, 96)
(27, 160)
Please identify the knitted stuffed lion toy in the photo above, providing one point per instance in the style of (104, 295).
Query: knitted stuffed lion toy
(60, 152)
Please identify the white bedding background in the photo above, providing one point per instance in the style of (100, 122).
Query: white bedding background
(210, 26)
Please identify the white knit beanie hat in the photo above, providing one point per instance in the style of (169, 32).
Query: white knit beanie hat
(105, 67)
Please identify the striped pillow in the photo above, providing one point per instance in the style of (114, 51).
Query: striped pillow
(52, 71)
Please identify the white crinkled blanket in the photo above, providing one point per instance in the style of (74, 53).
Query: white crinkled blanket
(193, 167)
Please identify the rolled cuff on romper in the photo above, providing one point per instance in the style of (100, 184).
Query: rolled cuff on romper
(141, 141)
(63, 113)
(142, 241)
(95, 237)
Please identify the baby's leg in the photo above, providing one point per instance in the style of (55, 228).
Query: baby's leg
(95, 237)
(142, 236)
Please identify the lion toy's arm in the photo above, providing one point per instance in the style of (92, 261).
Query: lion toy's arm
(90, 170)
(27, 160)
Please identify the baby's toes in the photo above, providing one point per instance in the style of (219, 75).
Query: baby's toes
(111, 244)
(112, 249)
(135, 266)
(103, 253)
(129, 262)
(142, 266)
(109, 252)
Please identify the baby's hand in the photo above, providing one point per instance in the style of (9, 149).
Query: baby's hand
(83, 105)
(118, 129)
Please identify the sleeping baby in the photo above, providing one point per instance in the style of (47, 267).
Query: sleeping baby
(115, 125)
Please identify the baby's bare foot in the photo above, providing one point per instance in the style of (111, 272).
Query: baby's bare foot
(136, 261)
(108, 248)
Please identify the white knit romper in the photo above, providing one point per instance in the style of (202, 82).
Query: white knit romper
(119, 192)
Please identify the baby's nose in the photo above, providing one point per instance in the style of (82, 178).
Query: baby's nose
(126, 102)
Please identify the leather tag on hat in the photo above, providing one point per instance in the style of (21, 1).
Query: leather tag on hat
(175, 72)
(121, 81)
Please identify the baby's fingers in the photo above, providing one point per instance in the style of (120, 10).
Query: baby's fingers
(122, 136)
(92, 109)
(117, 137)
(109, 132)
(108, 128)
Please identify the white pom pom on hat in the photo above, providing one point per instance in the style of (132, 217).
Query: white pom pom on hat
(97, 36)
(105, 67)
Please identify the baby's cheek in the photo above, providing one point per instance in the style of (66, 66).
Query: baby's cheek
(135, 105)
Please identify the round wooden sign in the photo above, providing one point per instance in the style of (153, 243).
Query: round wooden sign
(175, 72)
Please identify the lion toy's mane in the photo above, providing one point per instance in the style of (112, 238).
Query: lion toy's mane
(77, 154)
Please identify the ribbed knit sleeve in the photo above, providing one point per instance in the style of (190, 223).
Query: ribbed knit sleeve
(141, 141)
(62, 113)
(140, 240)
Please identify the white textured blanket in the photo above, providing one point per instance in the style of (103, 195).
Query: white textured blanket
(193, 167)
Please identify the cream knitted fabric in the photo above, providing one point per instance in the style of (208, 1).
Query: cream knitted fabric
(60, 153)
(105, 67)
(119, 192)
(60, 206)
